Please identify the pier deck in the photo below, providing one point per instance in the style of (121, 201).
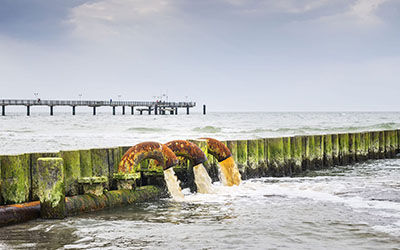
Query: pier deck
(149, 106)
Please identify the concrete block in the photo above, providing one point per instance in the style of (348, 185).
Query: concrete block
(51, 188)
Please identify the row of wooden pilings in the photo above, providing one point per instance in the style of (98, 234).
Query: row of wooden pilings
(21, 175)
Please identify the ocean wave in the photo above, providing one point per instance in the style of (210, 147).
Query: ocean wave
(147, 129)
(305, 129)
(207, 129)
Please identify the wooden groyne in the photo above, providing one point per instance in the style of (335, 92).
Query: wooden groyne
(21, 176)
(157, 107)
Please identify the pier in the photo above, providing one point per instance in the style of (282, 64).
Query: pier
(151, 107)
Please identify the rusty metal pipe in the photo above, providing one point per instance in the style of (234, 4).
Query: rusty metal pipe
(116, 198)
(216, 148)
(17, 213)
(147, 150)
(187, 150)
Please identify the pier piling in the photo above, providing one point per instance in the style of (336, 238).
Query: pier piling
(113, 110)
(28, 111)
(204, 109)
(160, 107)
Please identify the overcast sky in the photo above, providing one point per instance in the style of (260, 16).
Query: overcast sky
(247, 55)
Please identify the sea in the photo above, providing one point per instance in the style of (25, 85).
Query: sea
(346, 207)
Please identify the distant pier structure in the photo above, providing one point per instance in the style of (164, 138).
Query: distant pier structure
(156, 108)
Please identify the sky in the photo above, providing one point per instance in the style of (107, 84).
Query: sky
(233, 55)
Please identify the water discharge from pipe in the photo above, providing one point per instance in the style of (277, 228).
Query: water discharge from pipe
(202, 180)
(230, 174)
(173, 185)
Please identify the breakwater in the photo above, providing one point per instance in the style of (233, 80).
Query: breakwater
(283, 156)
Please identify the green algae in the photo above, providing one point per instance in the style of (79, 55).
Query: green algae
(343, 149)
(328, 151)
(85, 159)
(72, 166)
(15, 178)
(296, 154)
(276, 158)
(34, 172)
(242, 155)
(51, 187)
(352, 148)
(318, 151)
(252, 154)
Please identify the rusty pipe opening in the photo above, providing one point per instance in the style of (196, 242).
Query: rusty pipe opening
(216, 148)
(147, 150)
(187, 150)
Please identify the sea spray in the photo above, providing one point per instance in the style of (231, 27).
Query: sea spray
(229, 172)
(173, 185)
(202, 180)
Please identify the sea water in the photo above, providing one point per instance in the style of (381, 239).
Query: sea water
(41, 132)
(349, 207)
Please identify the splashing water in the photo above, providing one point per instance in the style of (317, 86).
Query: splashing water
(202, 180)
(229, 172)
(173, 185)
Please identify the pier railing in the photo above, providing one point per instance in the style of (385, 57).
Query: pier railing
(31, 102)
(159, 107)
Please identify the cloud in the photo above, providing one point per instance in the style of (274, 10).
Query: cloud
(116, 17)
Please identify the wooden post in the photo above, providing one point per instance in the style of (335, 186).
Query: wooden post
(187, 110)
(51, 110)
(176, 111)
(51, 188)
(156, 110)
(94, 110)
(73, 110)
(113, 110)
(28, 110)
(204, 109)
(3, 110)
(123, 110)
(132, 110)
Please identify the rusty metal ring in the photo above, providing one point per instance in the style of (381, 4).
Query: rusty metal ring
(217, 149)
(187, 150)
(147, 150)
